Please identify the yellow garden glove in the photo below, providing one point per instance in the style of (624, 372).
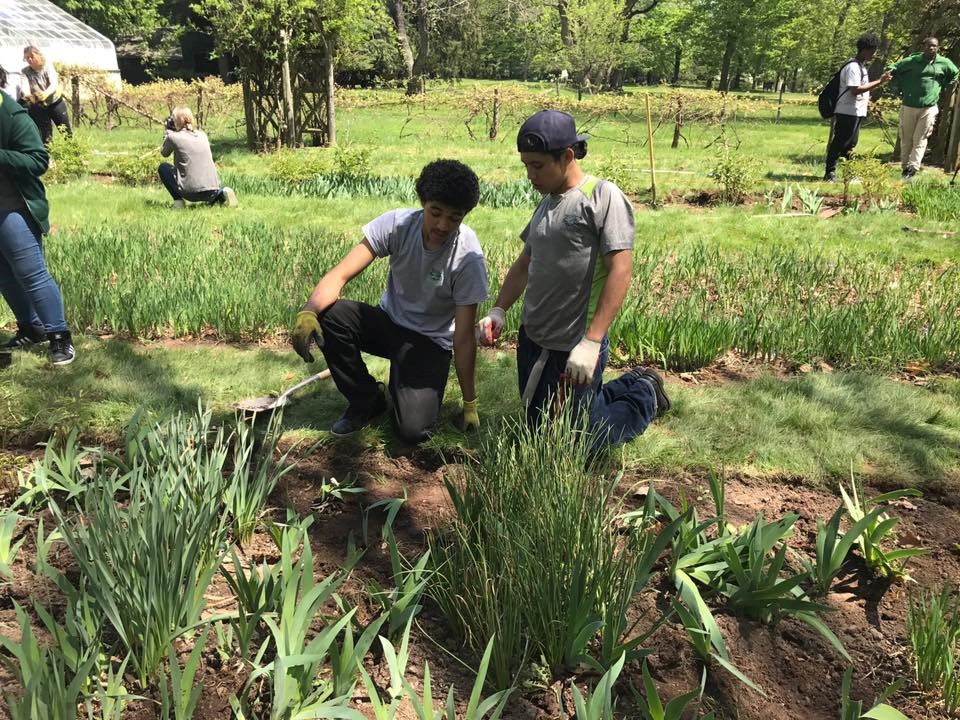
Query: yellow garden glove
(469, 419)
(306, 330)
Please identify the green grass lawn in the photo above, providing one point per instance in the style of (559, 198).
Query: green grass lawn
(128, 264)
(819, 427)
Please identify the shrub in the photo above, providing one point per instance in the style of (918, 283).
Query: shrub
(352, 160)
(295, 166)
(877, 187)
(135, 169)
(69, 158)
(736, 174)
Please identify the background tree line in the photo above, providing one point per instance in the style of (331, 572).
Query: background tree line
(602, 44)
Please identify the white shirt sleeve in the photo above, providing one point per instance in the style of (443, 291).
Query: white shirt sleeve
(850, 77)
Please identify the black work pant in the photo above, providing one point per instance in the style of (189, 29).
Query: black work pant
(46, 117)
(846, 134)
(418, 366)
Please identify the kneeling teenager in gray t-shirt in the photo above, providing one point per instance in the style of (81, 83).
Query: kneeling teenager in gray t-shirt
(425, 317)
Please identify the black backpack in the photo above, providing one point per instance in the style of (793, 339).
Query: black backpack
(830, 95)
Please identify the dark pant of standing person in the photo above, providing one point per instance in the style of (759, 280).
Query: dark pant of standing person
(168, 176)
(418, 366)
(47, 116)
(619, 410)
(846, 134)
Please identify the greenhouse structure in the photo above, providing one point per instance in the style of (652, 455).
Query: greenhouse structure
(62, 38)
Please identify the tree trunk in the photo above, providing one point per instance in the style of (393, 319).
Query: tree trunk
(289, 118)
(416, 84)
(677, 55)
(793, 80)
(729, 49)
(249, 114)
(331, 96)
(395, 8)
(841, 20)
(565, 34)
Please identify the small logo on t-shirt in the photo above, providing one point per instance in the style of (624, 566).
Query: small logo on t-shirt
(572, 221)
(436, 276)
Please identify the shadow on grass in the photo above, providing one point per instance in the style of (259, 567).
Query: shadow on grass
(916, 434)
(792, 177)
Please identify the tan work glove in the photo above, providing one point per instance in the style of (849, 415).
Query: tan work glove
(306, 330)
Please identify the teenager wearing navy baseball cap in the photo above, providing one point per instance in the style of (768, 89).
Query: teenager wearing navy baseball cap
(573, 273)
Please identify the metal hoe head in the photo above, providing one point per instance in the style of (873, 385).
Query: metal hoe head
(272, 402)
(262, 404)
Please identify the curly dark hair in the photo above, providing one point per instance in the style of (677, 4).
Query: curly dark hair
(3, 77)
(868, 41)
(449, 182)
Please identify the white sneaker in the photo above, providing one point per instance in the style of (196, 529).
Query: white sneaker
(178, 205)
(230, 197)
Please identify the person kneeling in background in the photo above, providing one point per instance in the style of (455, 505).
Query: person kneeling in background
(425, 317)
(195, 176)
(25, 282)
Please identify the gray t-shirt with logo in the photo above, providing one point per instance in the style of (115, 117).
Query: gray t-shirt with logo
(566, 239)
(425, 286)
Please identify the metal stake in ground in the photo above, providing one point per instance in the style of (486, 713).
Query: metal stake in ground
(653, 177)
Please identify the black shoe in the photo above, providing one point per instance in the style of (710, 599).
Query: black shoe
(353, 420)
(61, 350)
(656, 382)
(908, 173)
(25, 336)
(830, 177)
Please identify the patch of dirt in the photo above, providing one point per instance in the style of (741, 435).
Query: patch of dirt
(799, 671)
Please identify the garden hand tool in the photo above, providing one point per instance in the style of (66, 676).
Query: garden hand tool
(271, 402)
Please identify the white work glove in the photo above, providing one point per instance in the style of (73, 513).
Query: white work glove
(582, 362)
(490, 326)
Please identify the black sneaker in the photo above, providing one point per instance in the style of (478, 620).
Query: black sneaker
(656, 382)
(352, 420)
(830, 177)
(61, 350)
(908, 174)
(25, 337)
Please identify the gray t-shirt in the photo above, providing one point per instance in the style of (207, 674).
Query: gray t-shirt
(425, 286)
(196, 172)
(565, 240)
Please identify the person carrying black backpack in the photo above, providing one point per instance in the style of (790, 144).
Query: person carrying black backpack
(851, 106)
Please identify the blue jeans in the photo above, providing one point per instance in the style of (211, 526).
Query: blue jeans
(25, 282)
(168, 176)
(619, 410)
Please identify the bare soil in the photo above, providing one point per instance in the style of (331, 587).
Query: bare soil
(799, 672)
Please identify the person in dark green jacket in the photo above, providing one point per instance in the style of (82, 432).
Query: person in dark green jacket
(922, 77)
(25, 282)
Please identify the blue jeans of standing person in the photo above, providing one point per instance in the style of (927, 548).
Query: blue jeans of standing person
(168, 176)
(25, 282)
(619, 410)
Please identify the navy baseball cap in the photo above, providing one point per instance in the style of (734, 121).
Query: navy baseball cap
(548, 130)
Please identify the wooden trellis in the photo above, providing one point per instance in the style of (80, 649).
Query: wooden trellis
(265, 105)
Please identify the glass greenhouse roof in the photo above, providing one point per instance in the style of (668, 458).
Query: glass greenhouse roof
(59, 35)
